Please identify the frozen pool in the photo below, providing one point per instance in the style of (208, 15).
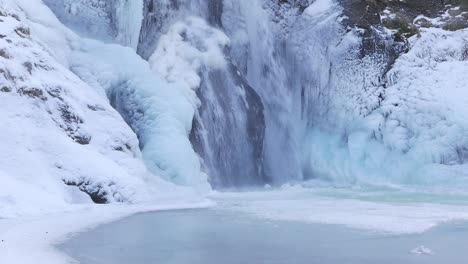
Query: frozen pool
(224, 236)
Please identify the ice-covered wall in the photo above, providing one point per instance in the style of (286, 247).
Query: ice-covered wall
(319, 68)
(271, 91)
(321, 72)
(112, 21)
(387, 120)
(126, 18)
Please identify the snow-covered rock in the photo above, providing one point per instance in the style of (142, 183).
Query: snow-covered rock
(60, 137)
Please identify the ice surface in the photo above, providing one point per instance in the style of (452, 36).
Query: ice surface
(38, 234)
(220, 236)
(329, 206)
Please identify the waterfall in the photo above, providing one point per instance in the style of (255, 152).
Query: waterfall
(258, 75)
(254, 114)
(273, 91)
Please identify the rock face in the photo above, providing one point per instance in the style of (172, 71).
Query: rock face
(404, 18)
(157, 16)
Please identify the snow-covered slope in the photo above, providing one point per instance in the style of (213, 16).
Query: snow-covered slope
(60, 137)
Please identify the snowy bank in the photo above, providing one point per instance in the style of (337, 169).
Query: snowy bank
(32, 239)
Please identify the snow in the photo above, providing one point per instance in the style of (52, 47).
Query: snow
(44, 114)
(416, 135)
(427, 95)
(166, 109)
(188, 46)
(59, 127)
(422, 250)
(319, 7)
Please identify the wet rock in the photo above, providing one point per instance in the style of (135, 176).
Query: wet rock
(423, 23)
(81, 139)
(5, 89)
(456, 24)
(15, 16)
(403, 24)
(71, 125)
(95, 192)
(156, 16)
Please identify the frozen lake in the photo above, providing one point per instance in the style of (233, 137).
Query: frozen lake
(224, 236)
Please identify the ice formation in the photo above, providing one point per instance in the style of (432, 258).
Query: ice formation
(63, 137)
(118, 94)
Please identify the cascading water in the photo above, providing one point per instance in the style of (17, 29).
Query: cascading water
(228, 132)
(228, 129)
(254, 114)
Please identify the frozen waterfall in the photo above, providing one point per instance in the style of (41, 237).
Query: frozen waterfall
(262, 92)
